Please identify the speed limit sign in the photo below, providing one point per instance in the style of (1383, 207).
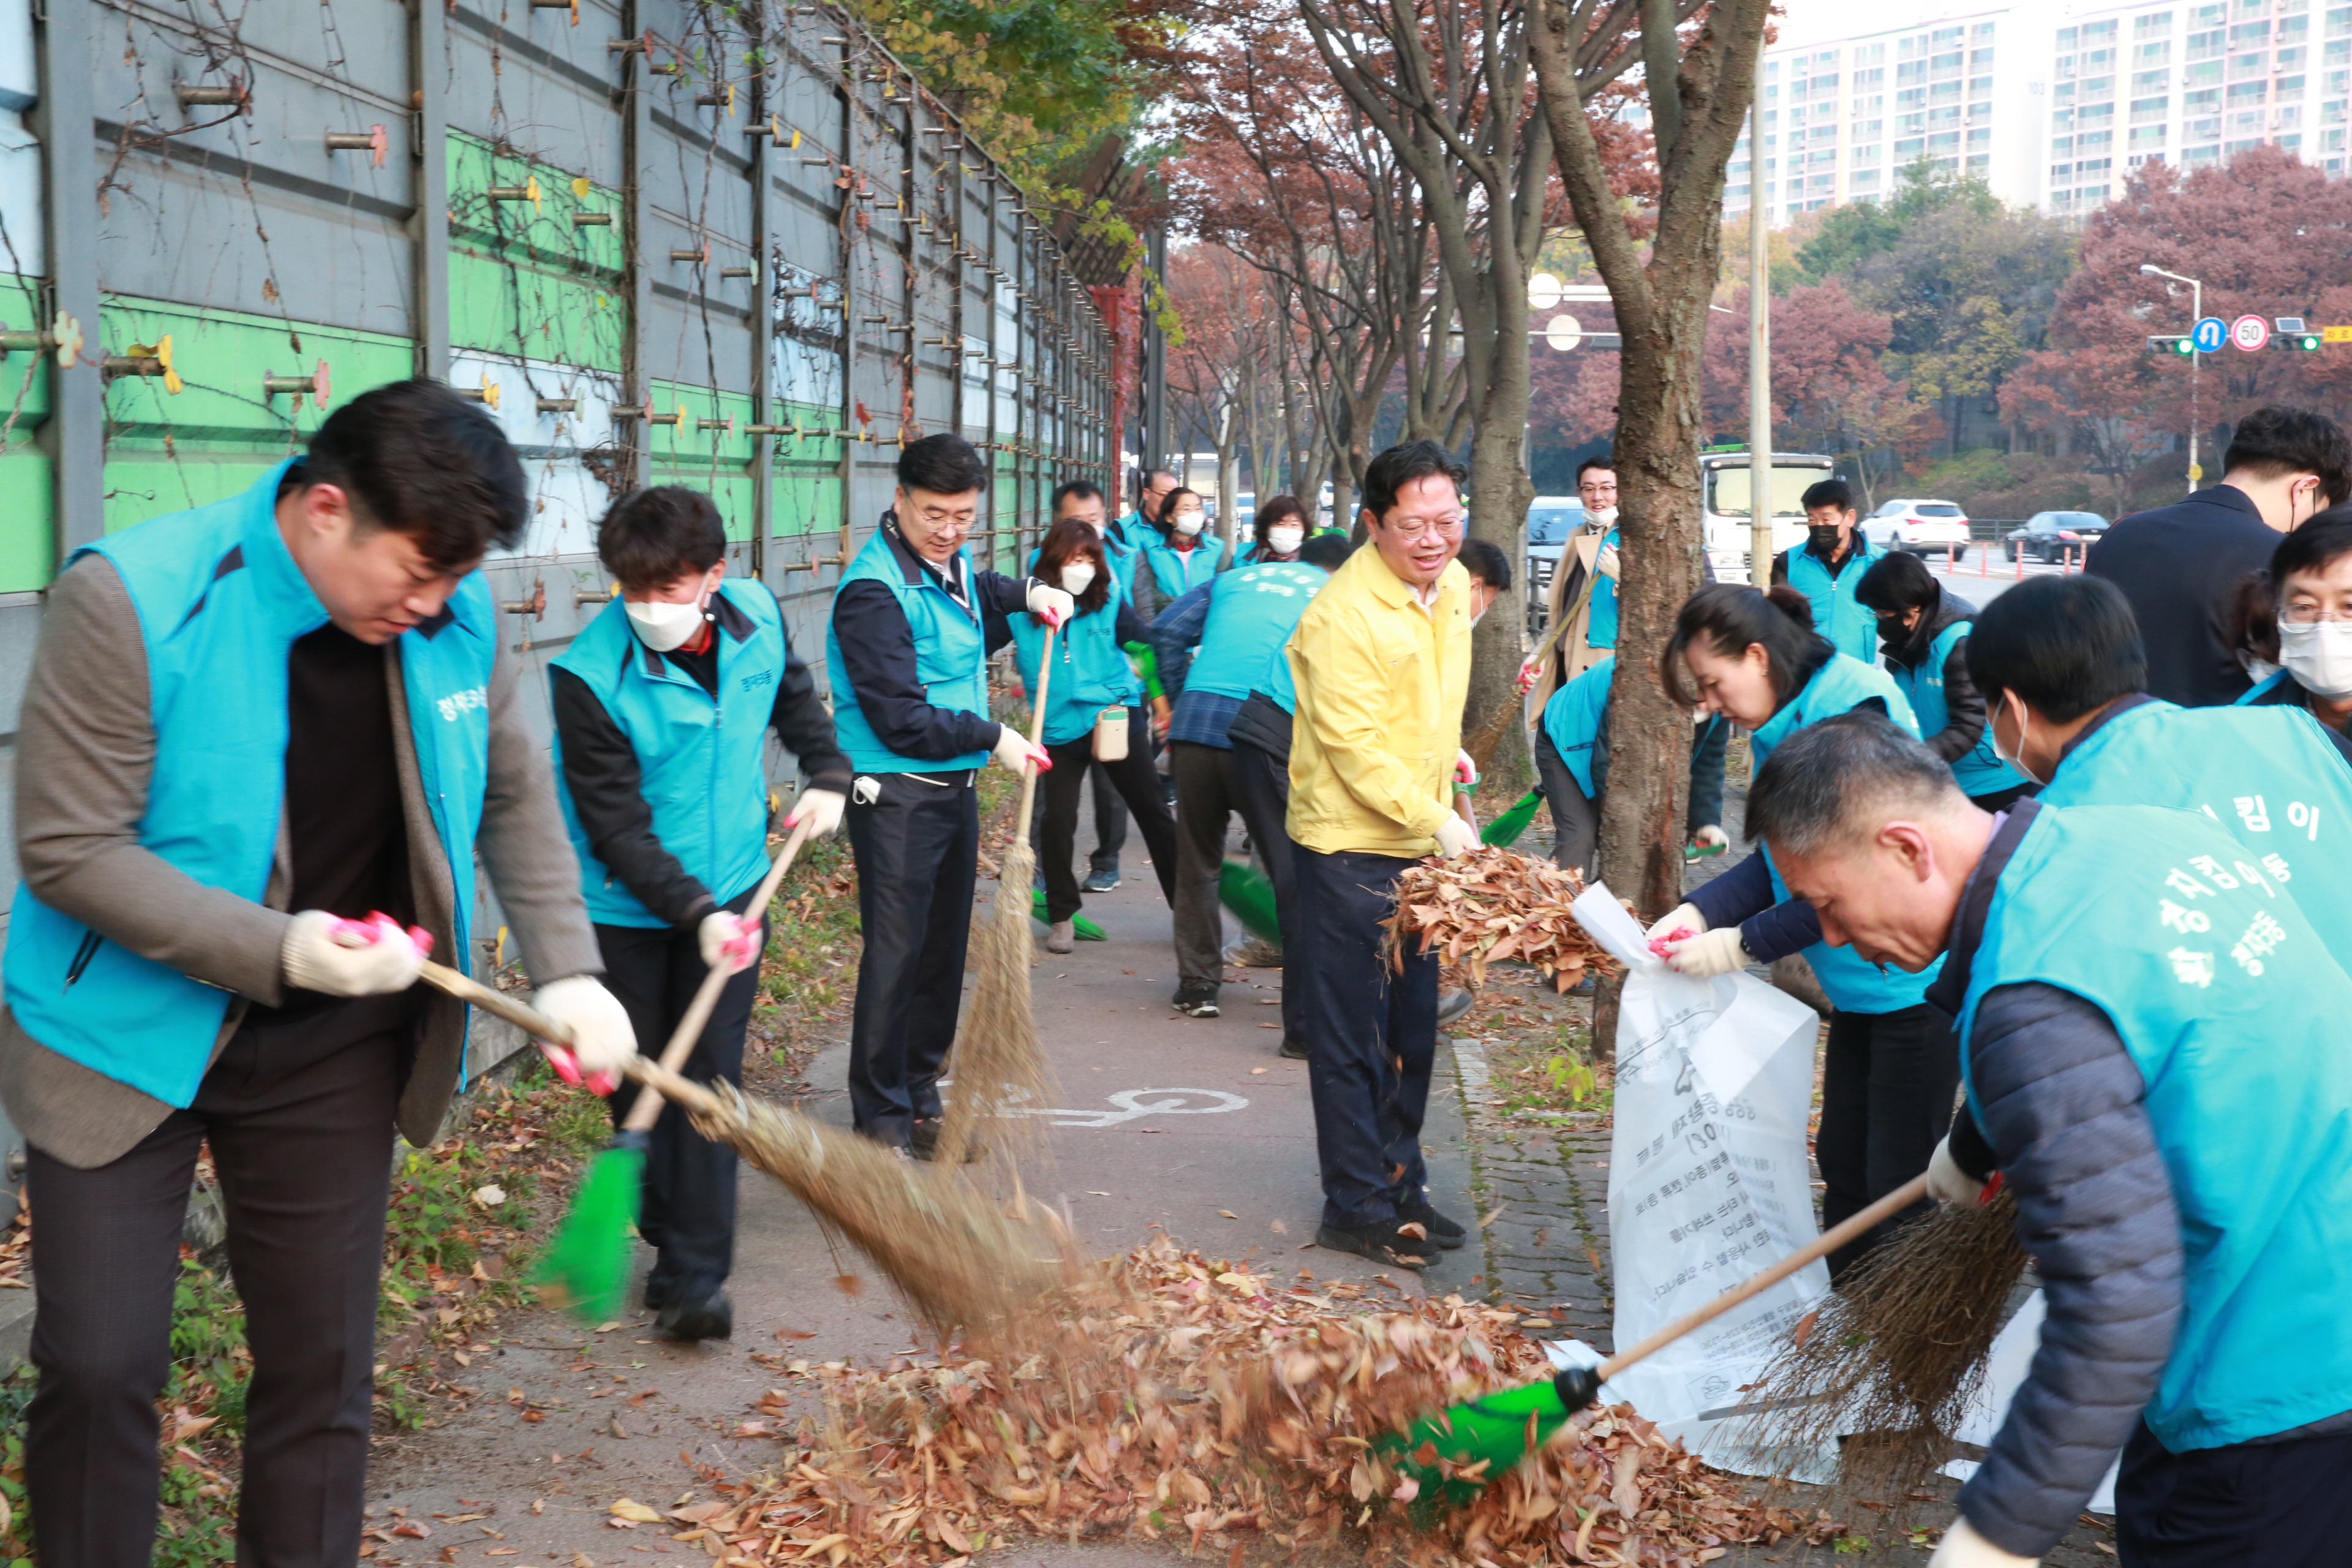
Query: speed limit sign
(2250, 333)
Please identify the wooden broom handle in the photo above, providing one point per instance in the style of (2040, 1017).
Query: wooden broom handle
(1829, 1241)
(1037, 738)
(540, 1027)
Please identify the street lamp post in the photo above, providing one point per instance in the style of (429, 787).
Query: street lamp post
(2196, 362)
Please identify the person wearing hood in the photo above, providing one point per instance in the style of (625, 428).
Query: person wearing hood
(662, 706)
(1830, 568)
(2311, 586)
(1924, 632)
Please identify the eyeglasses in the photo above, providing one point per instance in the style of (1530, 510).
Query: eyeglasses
(1412, 531)
(2311, 615)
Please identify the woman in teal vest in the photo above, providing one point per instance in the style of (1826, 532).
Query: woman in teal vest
(1924, 632)
(1572, 762)
(1094, 703)
(662, 706)
(1185, 555)
(1276, 533)
(1892, 1063)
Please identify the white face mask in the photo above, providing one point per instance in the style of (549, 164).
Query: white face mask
(1602, 516)
(2319, 656)
(1284, 539)
(1187, 524)
(1077, 576)
(2002, 753)
(663, 626)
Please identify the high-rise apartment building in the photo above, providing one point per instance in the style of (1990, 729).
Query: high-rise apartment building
(2053, 105)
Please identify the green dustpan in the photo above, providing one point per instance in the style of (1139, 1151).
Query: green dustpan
(1082, 928)
(1504, 830)
(1244, 889)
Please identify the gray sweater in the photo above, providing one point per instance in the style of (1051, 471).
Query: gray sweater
(85, 753)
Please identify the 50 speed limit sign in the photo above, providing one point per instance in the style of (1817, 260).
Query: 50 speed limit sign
(2250, 333)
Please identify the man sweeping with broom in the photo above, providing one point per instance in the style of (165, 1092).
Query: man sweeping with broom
(662, 715)
(2153, 1037)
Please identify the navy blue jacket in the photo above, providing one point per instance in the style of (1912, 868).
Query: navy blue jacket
(2179, 566)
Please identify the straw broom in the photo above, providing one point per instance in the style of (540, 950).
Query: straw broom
(954, 1254)
(997, 1065)
(586, 1267)
(1896, 1353)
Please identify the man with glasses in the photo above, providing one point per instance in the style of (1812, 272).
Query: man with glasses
(1382, 663)
(1590, 555)
(913, 625)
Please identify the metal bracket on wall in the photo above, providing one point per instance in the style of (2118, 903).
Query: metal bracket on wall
(533, 609)
(314, 385)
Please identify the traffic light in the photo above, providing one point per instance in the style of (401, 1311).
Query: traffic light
(2170, 345)
(2296, 342)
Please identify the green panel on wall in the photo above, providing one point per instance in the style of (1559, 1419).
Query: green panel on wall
(167, 451)
(524, 279)
(27, 535)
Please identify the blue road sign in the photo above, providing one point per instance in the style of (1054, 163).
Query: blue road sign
(2208, 336)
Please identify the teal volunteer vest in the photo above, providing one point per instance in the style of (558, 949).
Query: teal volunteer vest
(1601, 627)
(1982, 772)
(1573, 719)
(1091, 671)
(2268, 775)
(1178, 571)
(1838, 615)
(1854, 985)
(1251, 614)
(702, 758)
(951, 660)
(220, 603)
(2231, 1008)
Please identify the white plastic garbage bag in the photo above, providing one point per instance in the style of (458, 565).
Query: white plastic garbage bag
(2011, 1358)
(1707, 1184)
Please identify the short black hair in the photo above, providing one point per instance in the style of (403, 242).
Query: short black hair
(2313, 546)
(2275, 441)
(1828, 492)
(420, 460)
(945, 464)
(1898, 582)
(1734, 617)
(1834, 779)
(1484, 558)
(654, 536)
(1328, 551)
(1396, 467)
(1606, 460)
(2067, 646)
(1071, 489)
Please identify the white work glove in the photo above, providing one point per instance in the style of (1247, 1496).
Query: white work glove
(1455, 837)
(1709, 837)
(821, 807)
(1684, 920)
(1947, 1183)
(1606, 562)
(727, 938)
(1465, 770)
(1709, 953)
(1962, 1547)
(339, 957)
(1051, 606)
(1014, 752)
(603, 1040)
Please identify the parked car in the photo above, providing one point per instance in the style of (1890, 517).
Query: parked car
(1550, 521)
(2048, 535)
(1919, 527)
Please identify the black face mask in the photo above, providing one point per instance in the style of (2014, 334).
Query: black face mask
(1824, 538)
(1892, 637)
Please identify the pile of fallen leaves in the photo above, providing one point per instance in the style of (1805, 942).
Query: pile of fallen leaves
(1492, 904)
(1198, 1400)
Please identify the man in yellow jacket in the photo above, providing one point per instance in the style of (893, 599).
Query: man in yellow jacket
(1381, 662)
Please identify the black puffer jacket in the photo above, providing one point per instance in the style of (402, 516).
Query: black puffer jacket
(1964, 706)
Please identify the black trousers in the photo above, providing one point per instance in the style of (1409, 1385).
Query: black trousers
(1888, 1083)
(1575, 817)
(1135, 781)
(301, 1137)
(2282, 1505)
(1371, 1034)
(916, 844)
(1110, 815)
(688, 1214)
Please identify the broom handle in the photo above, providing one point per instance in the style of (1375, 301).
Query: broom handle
(648, 1109)
(1037, 738)
(1829, 1241)
(661, 1082)
(540, 1027)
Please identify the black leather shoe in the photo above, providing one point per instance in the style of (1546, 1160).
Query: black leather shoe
(659, 1287)
(1386, 1242)
(1293, 1047)
(702, 1316)
(924, 1140)
(1446, 1233)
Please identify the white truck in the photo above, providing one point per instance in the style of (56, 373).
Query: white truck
(1724, 495)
